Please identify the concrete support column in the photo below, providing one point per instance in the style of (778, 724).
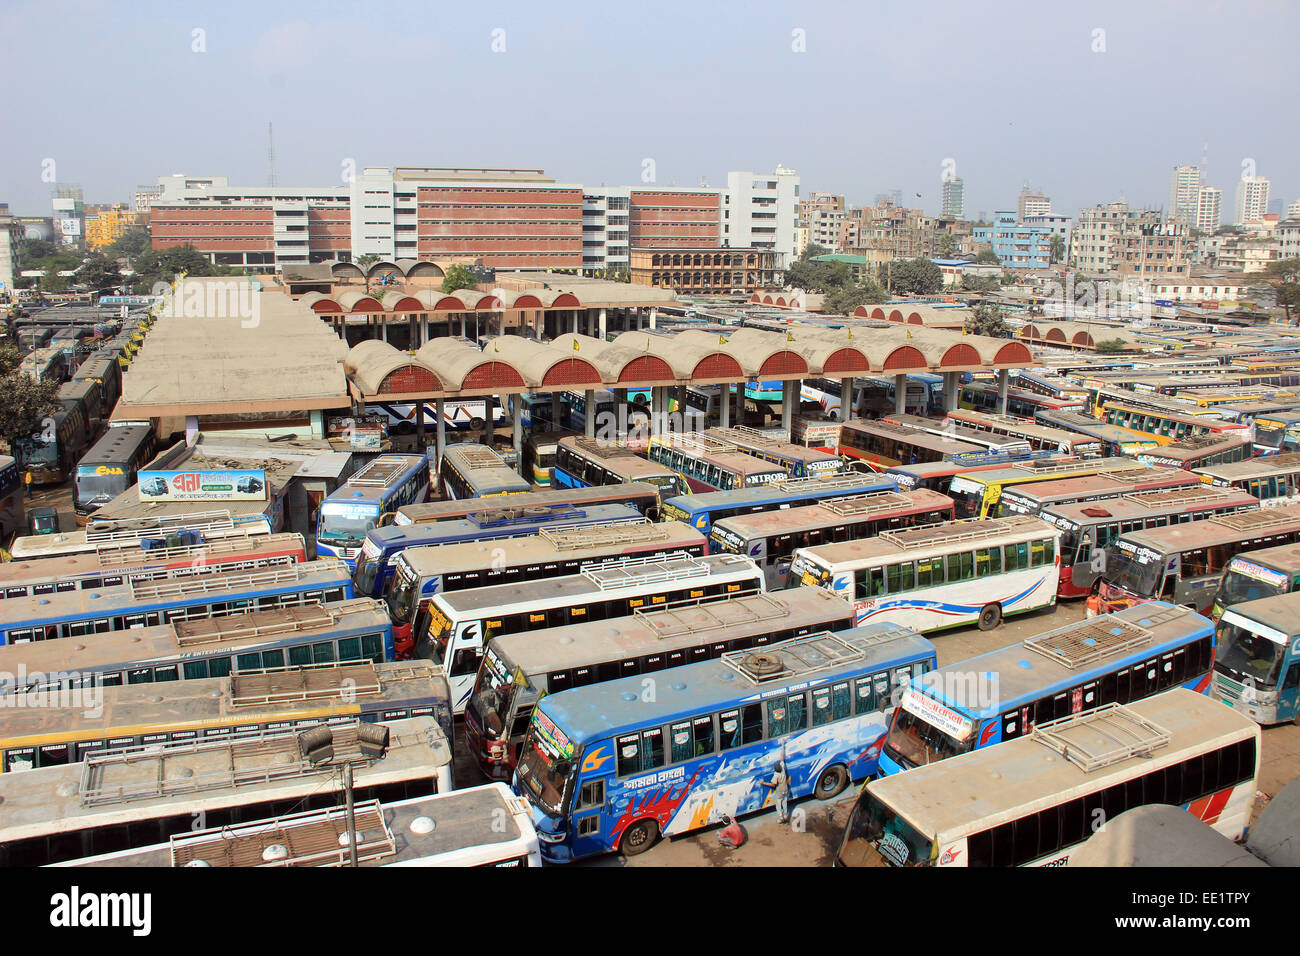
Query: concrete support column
(739, 388)
(419, 424)
(191, 429)
(789, 390)
(517, 429)
(1004, 379)
(383, 329)
(654, 318)
(575, 321)
(681, 407)
(900, 394)
(724, 406)
(557, 411)
(591, 414)
(317, 424)
(441, 441)
(846, 399)
(604, 328)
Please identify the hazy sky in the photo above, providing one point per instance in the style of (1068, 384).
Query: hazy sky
(117, 94)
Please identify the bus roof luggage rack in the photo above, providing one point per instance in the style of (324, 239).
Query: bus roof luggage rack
(303, 682)
(380, 473)
(603, 448)
(803, 656)
(702, 444)
(708, 614)
(1101, 737)
(632, 531)
(205, 583)
(1067, 467)
(857, 505)
(745, 433)
(653, 568)
(301, 617)
(1285, 458)
(1169, 496)
(1197, 442)
(117, 553)
(132, 529)
(1253, 520)
(1086, 642)
(527, 515)
(829, 482)
(311, 838)
(155, 770)
(970, 529)
(478, 456)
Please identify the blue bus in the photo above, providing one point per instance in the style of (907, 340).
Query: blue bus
(609, 767)
(350, 511)
(150, 603)
(701, 511)
(1116, 658)
(374, 564)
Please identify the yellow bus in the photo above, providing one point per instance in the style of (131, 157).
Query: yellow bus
(976, 493)
(1168, 425)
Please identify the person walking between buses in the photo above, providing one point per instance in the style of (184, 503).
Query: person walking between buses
(780, 784)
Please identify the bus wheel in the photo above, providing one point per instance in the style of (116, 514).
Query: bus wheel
(476, 423)
(990, 617)
(639, 837)
(831, 783)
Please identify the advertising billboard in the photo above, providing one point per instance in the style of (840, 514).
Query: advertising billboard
(236, 485)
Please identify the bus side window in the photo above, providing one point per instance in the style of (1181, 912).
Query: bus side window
(821, 706)
(591, 795)
(982, 568)
(652, 748)
(628, 749)
(862, 695)
(877, 582)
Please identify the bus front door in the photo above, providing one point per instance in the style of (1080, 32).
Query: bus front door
(1288, 698)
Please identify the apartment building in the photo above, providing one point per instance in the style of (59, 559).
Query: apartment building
(1032, 204)
(953, 203)
(1209, 209)
(1112, 239)
(1252, 200)
(1184, 195)
(1017, 246)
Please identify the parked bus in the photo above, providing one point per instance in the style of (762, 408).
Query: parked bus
(1035, 800)
(1112, 439)
(421, 573)
(938, 475)
(50, 454)
(476, 471)
(1020, 402)
(1088, 528)
(116, 800)
(244, 704)
(978, 494)
(518, 670)
(708, 464)
(1166, 426)
(772, 537)
(582, 462)
(1033, 497)
(886, 445)
(641, 495)
(1051, 386)
(798, 461)
(86, 394)
(1274, 480)
(1040, 437)
(1004, 694)
(637, 409)
(354, 508)
(146, 603)
(353, 630)
(174, 530)
(1199, 452)
(108, 374)
(1183, 563)
(483, 826)
(459, 624)
(607, 770)
(110, 467)
(13, 513)
(1277, 432)
(703, 511)
(1258, 574)
(375, 565)
(984, 440)
(1257, 670)
(940, 576)
(539, 456)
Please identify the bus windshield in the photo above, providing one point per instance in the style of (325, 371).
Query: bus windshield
(1251, 655)
(918, 742)
(91, 485)
(544, 771)
(966, 495)
(493, 696)
(440, 631)
(672, 485)
(346, 522)
(1133, 572)
(1239, 585)
(896, 840)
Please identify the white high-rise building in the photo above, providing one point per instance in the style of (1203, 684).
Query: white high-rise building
(1209, 209)
(761, 211)
(1184, 195)
(1252, 199)
(954, 198)
(1293, 210)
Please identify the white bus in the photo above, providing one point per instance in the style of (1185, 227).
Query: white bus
(175, 531)
(1034, 800)
(480, 826)
(461, 623)
(941, 575)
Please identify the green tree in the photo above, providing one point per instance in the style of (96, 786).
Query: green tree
(1057, 249)
(129, 245)
(368, 259)
(987, 257)
(24, 402)
(458, 277)
(946, 247)
(811, 251)
(1284, 278)
(987, 320)
(1110, 345)
(818, 277)
(844, 300)
(100, 273)
(163, 265)
(916, 277)
(974, 283)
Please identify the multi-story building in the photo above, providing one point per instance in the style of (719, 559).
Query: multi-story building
(144, 197)
(106, 224)
(1288, 238)
(1293, 210)
(11, 233)
(760, 211)
(1209, 209)
(1032, 204)
(69, 215)
(1184, 195)
(1056, 225)
(1115, 240)
(953, 205)
(719, 270)
(1017, 246)
(1252, 200)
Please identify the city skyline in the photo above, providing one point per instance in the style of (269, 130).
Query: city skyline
(516, 72)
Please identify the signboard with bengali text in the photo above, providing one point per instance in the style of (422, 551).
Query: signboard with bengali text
(235, 485)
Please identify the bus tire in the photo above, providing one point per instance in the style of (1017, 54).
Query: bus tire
(831, 783)
(990, 617)
(639, 837)
(476, 423)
